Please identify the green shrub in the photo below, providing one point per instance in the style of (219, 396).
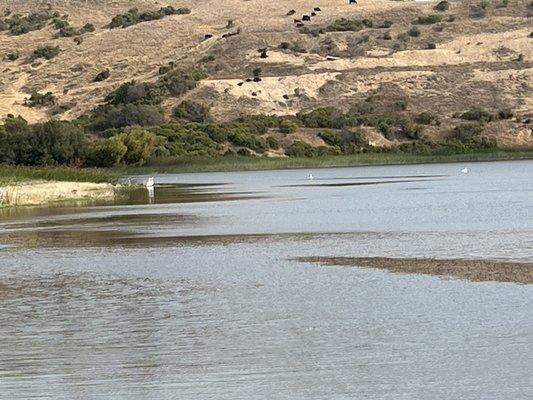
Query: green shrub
(287, 126)
(478, 115)
(192, 111)
(272, 143)
(345, 25)
(108, 152)
(427, 118)
(40, 100)
(122, 115)
(414, 32)
(47, 52)
(328, 117)
(411, 131)
(429, 19)
(442, 6)
(505, 114)
(330, 137)
(133, 16)
(49, 143)
(19, 25)
(179, 81)
(467, 132)
(140, 145)
(300, 149)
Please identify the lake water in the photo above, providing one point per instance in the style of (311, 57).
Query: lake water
(193, 294)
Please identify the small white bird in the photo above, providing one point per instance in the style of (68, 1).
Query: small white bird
(310, 177)
(464, 170)
(150, 182)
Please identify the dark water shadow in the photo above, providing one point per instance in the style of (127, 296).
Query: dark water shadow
(383, 177)
(359, 183)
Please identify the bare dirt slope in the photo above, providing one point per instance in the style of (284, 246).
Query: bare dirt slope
(464, 61)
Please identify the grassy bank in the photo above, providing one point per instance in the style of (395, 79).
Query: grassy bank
(236, 163)
(16, 174)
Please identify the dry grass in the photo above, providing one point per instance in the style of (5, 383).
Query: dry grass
(473, 270)
(468, 57)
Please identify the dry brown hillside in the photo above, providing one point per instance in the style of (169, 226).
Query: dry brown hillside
(477, 56)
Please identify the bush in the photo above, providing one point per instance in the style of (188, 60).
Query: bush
(136, 93)
(300, 149)
(287, 126)
(330, 137)
(429, 19)
(122, 115)
(108, 152)
(427, 118)
(179, 81)
(411, 131)
(49, 143)
(505, 114)
(442, 6)
(272, 143)
(19, 25)
(345, 25)
(140, 145)
(192, 111)
(478, 115)
(328, 117)
(132, 16)
(47, 52)
(102, 76)
(40, 100)
(467, 132)
(414, 32)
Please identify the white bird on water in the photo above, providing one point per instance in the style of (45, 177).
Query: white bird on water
(150, 182)
(310, 177)
(464, 170)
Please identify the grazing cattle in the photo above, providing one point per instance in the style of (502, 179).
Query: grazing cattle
(225, 35)
(306, 18)
(208, 36)
(248, 79)
(297, 20)
(286, 96)
(313, 14)
(352, 1)
(254, 94)
(291, 12)
(264, 54)
(240, 83)
(257, 79)
(300, 25)
(317, 9)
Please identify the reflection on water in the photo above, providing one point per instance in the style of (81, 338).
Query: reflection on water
(192, 293)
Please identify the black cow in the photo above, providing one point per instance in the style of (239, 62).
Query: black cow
(291, 12)
(317, 9)
(313, 14)
(300, 25)
(352, 1)
(306, 18)
(208, 36)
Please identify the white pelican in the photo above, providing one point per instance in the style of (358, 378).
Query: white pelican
(464, 170)
(150, 182)
(310, 177)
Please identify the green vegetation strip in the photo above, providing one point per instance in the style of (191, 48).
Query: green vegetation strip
(15, 174)
(237, 163)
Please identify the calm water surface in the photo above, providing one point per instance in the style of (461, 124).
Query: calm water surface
(192, 294)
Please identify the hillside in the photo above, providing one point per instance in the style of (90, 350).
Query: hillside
(401, 57)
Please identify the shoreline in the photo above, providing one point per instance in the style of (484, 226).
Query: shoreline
(471, 270)
(235, 164)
